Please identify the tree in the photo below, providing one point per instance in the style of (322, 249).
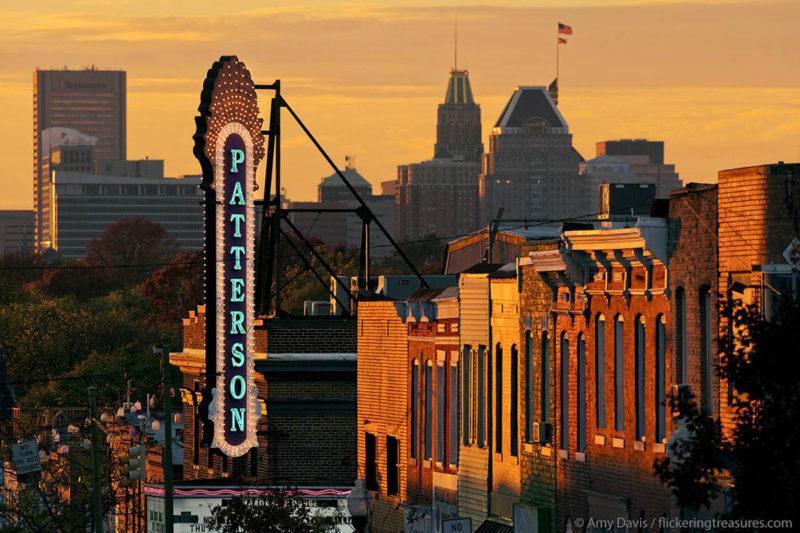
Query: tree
(273, 511)
(177, 288)
(761, 453)
(131, 249)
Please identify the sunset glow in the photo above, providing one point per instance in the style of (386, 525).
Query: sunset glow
(717, 81)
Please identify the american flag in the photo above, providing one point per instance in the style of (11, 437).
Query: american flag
(563, 28)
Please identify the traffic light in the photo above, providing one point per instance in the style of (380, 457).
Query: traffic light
(134, 470)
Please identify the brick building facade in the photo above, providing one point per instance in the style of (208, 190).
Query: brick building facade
(307, 392)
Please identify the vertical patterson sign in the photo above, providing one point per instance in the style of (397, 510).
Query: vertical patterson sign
(229, 146)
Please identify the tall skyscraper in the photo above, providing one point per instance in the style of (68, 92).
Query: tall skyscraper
(90, 101)
(531, 168)
(458, 130)
(440, 196)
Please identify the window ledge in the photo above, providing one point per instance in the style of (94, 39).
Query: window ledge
(639, 445)
(527, 447)
(580, 457)
(599, 440)
(547, 451)
(563, 454)
(660, 447)
(426, 464)
(618, 443)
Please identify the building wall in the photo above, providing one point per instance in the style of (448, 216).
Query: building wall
(537, 461)
(16, 231)
(758, 217)
(86, 204)
(383, 389)
(692, 266)
(437, 197)
(614, 463)
(307, 433)
(473, 467)
(505, 455)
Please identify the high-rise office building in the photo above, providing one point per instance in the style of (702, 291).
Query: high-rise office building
(531, 168)
(440, 196)
(90, 101)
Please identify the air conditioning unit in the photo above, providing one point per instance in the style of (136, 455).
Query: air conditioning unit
(542, 432)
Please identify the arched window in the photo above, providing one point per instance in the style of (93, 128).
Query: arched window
(661, 370)
(414, 407)
(681, 347)
(619, 374)
(600, 370)
(639, 370)
(564, 439)
(528, 387)
(498, 398)
(428, 410)
(514, 422)
(545, 391)
(706, 369)
(581, 419)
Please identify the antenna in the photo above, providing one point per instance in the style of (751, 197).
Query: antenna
(455, 47)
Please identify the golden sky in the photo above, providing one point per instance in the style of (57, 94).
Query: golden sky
(718, 81)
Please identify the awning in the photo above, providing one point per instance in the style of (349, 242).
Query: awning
(490, 526)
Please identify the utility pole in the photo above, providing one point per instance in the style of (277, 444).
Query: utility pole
(167, 450)
(98, 500)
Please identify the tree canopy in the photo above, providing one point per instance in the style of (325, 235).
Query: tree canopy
(760, 453)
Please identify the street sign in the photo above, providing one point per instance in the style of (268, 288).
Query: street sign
(457, 525)
(792, 254)
(26, 457)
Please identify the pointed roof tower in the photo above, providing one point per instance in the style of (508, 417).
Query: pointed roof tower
(459, 90)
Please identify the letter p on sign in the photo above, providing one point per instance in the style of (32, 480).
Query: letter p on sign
(237, 156)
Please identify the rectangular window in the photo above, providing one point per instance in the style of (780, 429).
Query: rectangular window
(545, 378)
(498, 384)
(453, 429)
(440, 413)
(564, 392)
(706, 401)
(619, 375)
(414, 408)
(466, 404)
(428, 409)
(661, 420)
(528, 387)
(600, 370)
(481, 398)
(640, 347)
(581, 394)
(392, 465)
(370, 463)
(514, 422)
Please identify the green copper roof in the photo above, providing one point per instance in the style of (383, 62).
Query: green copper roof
(459, 90)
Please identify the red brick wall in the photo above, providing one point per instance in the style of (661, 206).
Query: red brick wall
(607, 469)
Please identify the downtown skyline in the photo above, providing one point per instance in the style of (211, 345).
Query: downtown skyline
(711, 79)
